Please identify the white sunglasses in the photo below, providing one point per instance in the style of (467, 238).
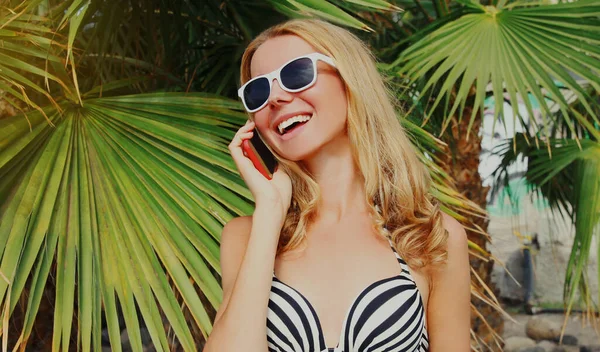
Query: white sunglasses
(293, 76)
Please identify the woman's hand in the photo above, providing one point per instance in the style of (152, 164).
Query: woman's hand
(274, 194)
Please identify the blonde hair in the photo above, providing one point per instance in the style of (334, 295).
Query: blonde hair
(396, 182)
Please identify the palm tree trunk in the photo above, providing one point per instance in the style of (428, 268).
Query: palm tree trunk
(462, 164)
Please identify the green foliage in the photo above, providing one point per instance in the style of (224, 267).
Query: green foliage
(510, 52)
(117, 191)
(566, 172)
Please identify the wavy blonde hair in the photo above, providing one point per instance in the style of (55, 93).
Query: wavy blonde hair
(396, 182)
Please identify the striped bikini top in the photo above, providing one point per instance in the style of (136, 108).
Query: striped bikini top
(387, 315)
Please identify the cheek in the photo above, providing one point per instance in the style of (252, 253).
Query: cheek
(331, 100)
(329, 94)
(261, 121)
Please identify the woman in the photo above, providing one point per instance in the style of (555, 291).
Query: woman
(346, 250)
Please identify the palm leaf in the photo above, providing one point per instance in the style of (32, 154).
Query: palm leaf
(512, 52)
(219, 32)
(130, 185)
(331, 12)
(584, 164)
(570, 180)
(27, 51)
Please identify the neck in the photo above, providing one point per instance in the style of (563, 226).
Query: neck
(340, 183)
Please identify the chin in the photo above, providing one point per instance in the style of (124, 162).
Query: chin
(298, 156)
(308, 144)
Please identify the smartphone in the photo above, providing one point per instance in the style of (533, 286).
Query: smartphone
(260, 155)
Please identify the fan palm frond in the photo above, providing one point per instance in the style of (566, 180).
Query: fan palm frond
(509, 51)
(116, 191)
(569, 178)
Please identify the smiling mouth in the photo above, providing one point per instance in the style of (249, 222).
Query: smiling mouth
(287, 127)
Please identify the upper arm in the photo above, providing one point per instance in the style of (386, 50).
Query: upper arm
(449, 306)
(234, 240)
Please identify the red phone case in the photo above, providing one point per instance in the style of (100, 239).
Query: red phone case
(253, 155)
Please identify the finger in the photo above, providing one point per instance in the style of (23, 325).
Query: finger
(247, 127)
(243, 134)
(239, 137)
(235, 147)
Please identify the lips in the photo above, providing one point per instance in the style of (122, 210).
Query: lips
(284, 117)
(293, 133)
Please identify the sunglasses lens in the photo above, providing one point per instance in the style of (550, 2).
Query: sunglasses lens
(297, 74)
(256, 93)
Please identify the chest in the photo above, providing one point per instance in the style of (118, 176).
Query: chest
(341, 275)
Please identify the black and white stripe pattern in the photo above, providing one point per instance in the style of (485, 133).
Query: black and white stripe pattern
(387, 316)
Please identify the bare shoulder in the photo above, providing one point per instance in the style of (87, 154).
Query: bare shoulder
(457, 236)
(457, 247)
(449, 299)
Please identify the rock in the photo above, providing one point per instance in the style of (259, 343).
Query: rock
(594, 348)
(516, 343)
(568, 340)
(570, 348)
(532, 349)
(541, 329)
(548, 346)
(509, 289)
(566, 349)
(553, 346)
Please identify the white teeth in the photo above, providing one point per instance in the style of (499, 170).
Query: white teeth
(291, 120)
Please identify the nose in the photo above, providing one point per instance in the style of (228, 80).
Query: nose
(278, 95)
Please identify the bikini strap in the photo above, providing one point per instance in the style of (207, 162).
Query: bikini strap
(401, 261)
